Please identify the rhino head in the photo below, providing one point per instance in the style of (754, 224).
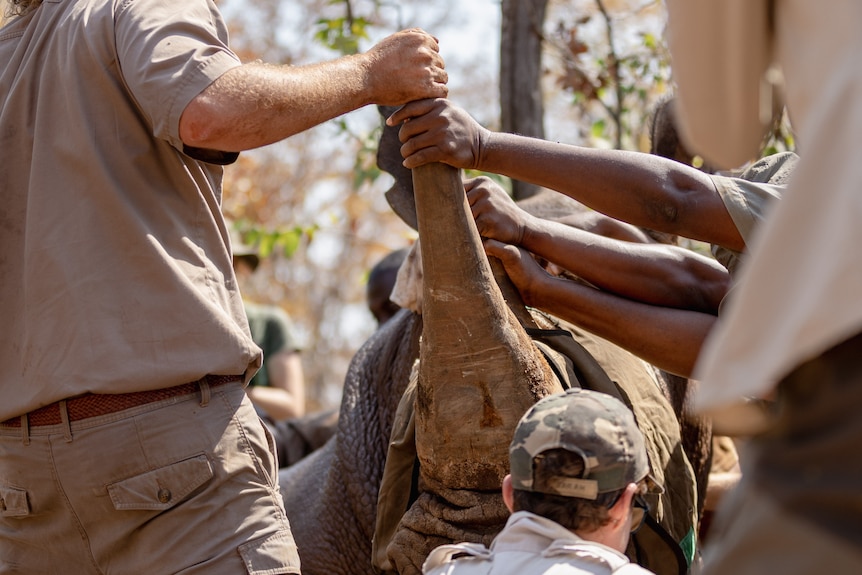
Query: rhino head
(478, 373)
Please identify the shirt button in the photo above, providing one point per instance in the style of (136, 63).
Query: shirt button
(164, 495)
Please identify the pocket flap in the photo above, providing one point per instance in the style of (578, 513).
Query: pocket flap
(161, 488)
(13, 502)
(272, 554)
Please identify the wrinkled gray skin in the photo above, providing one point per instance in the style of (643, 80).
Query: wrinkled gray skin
(331, 496)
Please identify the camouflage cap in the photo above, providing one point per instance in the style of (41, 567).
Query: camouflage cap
(594, 425)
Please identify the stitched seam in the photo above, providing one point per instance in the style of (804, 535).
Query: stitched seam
(80, 526)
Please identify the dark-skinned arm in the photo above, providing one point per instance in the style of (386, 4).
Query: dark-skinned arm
(656, 274)
(668, 338)
(600, 224)
(641, 189)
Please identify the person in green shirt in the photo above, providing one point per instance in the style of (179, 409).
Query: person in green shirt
(278, 388)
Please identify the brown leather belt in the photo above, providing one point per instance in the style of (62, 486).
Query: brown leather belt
(95, 404)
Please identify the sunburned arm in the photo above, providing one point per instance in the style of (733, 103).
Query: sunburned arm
(257, 104)
(668, 338)
(641, 189)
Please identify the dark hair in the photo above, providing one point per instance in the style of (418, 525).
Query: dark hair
(573, 513)
(21, 7)
(664, 136)
(381, 280)
(388, 264)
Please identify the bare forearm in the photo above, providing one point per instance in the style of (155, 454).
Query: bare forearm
(641, 189)
(258, 104)
(277, 403)
(286, 391)
(651, 273)
(668, 338)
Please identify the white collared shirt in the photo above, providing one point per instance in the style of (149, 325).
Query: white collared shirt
(530, 545)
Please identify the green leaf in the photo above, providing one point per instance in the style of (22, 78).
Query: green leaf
(649, 40)
(267, 242)
(598, 128)
(290, 240)
(251, 236)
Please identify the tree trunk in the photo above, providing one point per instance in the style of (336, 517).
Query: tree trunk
(521, 109)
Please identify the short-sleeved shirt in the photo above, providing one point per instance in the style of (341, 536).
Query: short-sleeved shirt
(273, 331)
(114, 257)
(748, 197)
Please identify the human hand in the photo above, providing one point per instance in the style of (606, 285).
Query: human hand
(438, 131)
(524, 271)
(405, 66)
(497, 215)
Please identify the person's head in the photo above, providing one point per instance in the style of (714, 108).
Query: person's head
(381, 280)
(664, 137)
(245, 256)
(578, 458)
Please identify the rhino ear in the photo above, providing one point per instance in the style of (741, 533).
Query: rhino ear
(400, 195)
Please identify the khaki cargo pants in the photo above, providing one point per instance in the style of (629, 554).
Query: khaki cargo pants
(186, 484)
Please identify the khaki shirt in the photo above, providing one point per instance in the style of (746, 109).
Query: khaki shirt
(801, 290)
(748, 198)
(114, 257)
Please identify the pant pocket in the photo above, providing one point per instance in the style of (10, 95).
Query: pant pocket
(274, 554)
(13, 502)
(161, 488)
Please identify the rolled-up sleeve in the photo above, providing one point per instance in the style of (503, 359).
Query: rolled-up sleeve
(169, 52)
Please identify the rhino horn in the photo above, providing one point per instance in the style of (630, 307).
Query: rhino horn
(479, 371)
